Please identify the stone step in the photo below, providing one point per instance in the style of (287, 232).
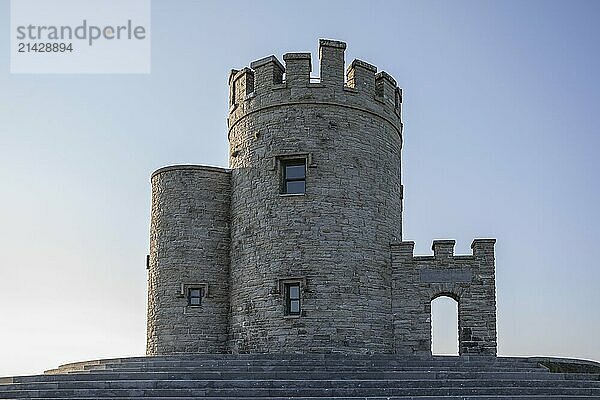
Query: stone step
(476, 397)
(321, 356)
(304, 361)
(240, 384)
(300, 368)
(335, 358)
(286, 363)
(306, 376)
(291, 375)
(345, 358)
(305, 392)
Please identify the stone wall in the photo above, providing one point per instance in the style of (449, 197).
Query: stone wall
(189, 247)
(335, 238)
(469, 279)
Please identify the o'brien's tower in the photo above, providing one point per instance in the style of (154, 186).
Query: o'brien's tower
(297, 247)
(331, 233)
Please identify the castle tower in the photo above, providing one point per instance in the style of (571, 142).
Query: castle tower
(188, 268)
(297, 247)
(316, 200)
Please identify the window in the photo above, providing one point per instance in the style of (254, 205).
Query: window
(294, 176)
(292, 298)
(195, 295)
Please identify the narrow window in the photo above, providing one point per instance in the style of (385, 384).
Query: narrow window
(294, 176)
(195, 296)
(292, 298)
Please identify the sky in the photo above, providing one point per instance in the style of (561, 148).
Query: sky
(501, 140)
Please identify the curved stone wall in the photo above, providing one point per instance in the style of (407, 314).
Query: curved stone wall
(189, 248)
(334, 239)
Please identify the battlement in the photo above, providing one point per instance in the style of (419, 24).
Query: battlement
(444, 249)
(268, 82)
(468, 279)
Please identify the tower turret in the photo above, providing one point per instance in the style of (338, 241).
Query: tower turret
(188, 268)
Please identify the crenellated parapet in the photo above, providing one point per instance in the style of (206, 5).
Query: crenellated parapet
(482, 250)
(468, 279)
(268, 83)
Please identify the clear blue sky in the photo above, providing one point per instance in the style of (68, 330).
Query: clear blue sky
(501, 140)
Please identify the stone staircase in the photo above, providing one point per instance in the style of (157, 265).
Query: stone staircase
(261, 376)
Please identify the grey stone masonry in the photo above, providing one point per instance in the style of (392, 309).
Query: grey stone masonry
(334, 239)
(469, 279)
(238, 240)
(189, 248)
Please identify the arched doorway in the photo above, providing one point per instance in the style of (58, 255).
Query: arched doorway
(444, 325)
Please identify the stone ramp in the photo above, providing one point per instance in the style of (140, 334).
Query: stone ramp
(261, 376)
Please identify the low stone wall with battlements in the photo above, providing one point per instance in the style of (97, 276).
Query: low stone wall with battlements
(469, 279)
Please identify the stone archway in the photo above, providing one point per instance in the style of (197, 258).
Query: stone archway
(444, 325)
(468, 279)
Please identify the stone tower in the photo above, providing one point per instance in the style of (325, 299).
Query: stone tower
(189, 249)
(297, 247)
(334, 238)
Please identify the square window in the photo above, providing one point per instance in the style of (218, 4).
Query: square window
(294, 187)
(293, 176)
(292, 298)
(293, 171)
(294, 307)
(195, 296)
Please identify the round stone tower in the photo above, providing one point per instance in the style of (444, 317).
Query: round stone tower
(316, 199)
(188, 296)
